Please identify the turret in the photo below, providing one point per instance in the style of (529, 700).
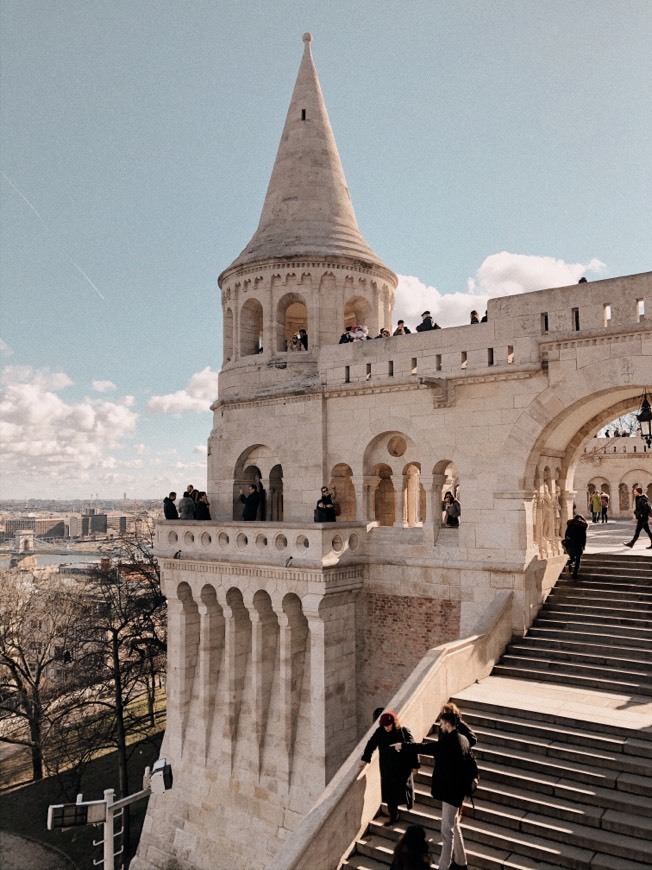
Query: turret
(307, 265)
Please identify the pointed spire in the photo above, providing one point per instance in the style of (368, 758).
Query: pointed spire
(307, 209)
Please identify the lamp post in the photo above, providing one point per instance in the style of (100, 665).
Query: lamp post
(644, 418)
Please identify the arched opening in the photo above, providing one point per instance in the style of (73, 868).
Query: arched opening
(227, 352)
(251, 327)
(357, 312)
(341, 484)
(445, 479)
(291, 316)
(384, 497)
(275, 495)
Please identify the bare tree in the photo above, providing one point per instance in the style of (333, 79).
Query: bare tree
(39, 622)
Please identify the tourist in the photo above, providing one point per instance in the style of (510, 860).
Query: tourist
(187, 507)
(401, 328)
(360, 333)
(427, 323)
(384, 333)
(642, 511)
(412, 851)
(325, 510)
(170, 511)
(250, 502)
(460, 724)
(303, 338)
(449, 785)
(202, 510)
(475, 317)
(396, 784)
(452, 509)
(294, 344)
(575, 542)
(596, 506)
(604, 500)
(346, 336)
(485, 317)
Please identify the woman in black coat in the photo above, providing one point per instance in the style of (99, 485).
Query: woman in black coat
(575, 542)
(396, 768)
(202, 507)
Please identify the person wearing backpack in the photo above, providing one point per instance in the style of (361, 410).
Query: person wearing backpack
(450, 784)
(642, 512)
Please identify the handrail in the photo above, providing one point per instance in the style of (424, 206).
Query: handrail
(328, 832)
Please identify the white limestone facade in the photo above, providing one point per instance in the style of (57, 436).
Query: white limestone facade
(286, 634)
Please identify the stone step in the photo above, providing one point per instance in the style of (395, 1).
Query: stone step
(590, 624)
(589, 613)
(511, 723)
(555, 719)
(552, 676)
(641, 677)
(606, 663)
(525, 814)
(584, 648)
(573, 753)
(596, 597)
(544, 630)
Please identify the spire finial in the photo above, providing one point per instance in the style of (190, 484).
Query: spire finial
(307, 38)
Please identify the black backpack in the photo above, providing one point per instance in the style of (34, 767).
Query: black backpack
(471, 776)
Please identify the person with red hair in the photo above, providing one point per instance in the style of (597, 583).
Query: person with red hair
(396, 769)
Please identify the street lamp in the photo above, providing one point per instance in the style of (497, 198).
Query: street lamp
(644, 418)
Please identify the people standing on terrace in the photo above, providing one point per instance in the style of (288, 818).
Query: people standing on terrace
(187, 507)
(250, 502)
(325, 510)
(202, 510)
(475, 317)
(402, 329)
(427, 323)
(170, 511)
(396, 769)
(452, 510)
(346, 336)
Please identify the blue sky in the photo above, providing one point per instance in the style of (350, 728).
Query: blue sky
(489, 147)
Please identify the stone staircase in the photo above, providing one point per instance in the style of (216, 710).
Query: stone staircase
(555, 791)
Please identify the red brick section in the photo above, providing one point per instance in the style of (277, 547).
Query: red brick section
(394, 632)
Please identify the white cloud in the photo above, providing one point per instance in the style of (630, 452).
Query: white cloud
(199, 393)
(201, 449)
(502, 274)
(5, 349)
(104, 386)
(43, 435)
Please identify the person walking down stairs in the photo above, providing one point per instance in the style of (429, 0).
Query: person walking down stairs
(575, 542)
(642, 512)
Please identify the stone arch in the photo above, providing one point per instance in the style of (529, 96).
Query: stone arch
(227, 351)
(251, 327)
(291, 316)
(341, 483)
(384, 461)
(357, 312)
(253, 464)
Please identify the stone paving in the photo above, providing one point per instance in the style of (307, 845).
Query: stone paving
(609, 538)
(21, 853)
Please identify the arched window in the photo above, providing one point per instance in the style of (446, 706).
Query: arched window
(275, 495)
(342, 485)
(227, 352)
(357, 312)
(291, 316)
(251, 327)
(384, 497)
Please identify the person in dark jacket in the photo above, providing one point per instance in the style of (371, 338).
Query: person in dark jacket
(449, 785)
(427, 323)
(170, 511)
(575, 542)
(250, 502)
(412, 851)
(202, 508)
(460, 724)
(396, 784)
(187, 507)
(642, 513)
(325, 510)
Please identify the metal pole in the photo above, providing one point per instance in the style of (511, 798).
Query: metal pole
(109, 845)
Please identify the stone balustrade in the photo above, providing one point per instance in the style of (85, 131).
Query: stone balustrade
(315, 546)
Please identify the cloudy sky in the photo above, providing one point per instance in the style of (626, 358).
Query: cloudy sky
(490, 147)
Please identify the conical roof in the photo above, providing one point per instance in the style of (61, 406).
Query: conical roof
(307, 210)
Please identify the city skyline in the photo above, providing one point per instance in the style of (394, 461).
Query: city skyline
(491, 148)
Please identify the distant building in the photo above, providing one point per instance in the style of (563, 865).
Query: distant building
(48, 527)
